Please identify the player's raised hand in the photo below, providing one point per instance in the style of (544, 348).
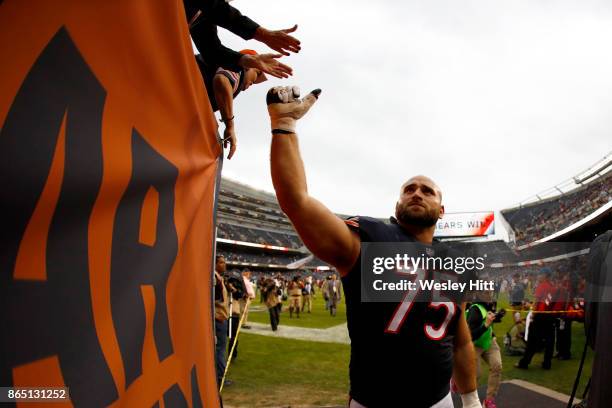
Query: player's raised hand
(267, 63)
(229, 138)
(279, 40)
(285, 107)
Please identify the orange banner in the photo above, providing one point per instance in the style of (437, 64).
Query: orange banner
(108, 162)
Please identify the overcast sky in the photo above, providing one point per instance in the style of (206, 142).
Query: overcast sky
(495, 100)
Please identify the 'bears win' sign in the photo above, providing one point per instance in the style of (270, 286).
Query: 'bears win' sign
(107, 172)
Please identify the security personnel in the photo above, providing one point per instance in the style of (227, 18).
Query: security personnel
(543, 327)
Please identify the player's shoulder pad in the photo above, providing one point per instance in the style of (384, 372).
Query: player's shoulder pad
(372, 222)
(352, 222)
(369, 228)
(361, 221)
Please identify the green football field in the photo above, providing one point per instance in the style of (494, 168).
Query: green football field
(318, 318)
(280, 372)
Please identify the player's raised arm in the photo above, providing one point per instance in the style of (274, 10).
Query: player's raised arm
(222, 89)
(325, 234)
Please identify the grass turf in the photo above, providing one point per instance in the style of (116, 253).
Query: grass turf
(272, 372)
(318, 318)
(563, 373)
(280, 372)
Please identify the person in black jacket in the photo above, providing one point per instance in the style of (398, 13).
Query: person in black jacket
(204, 16)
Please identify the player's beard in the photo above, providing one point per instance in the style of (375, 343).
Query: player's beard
(405, 215)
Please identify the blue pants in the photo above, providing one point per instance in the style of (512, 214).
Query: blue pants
(220, 348)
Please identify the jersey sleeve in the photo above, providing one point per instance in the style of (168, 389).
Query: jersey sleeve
(369, 229)
(353, 223)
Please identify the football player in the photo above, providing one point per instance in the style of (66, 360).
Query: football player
(400, 356)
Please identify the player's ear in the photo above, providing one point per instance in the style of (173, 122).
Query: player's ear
(441, 212)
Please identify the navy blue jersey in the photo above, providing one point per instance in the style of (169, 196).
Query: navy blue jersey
(399, 357)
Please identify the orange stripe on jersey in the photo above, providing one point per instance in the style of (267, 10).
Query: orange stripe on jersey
(353, 222)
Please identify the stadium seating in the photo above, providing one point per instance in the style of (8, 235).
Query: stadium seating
(233, 256)
(258, 236)
(252, 216)
(540, 219)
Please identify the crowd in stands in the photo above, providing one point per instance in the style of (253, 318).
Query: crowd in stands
(493, 251)
(251, 207)
(536, 221)
(242, 198)
(254, 216)
(260, 258)
(574, 269)
(258, 236)
(265, 210)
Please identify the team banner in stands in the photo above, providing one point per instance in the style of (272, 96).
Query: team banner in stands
(466, 224)
(107, 168)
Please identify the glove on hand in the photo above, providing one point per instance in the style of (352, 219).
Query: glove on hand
(285, 107)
